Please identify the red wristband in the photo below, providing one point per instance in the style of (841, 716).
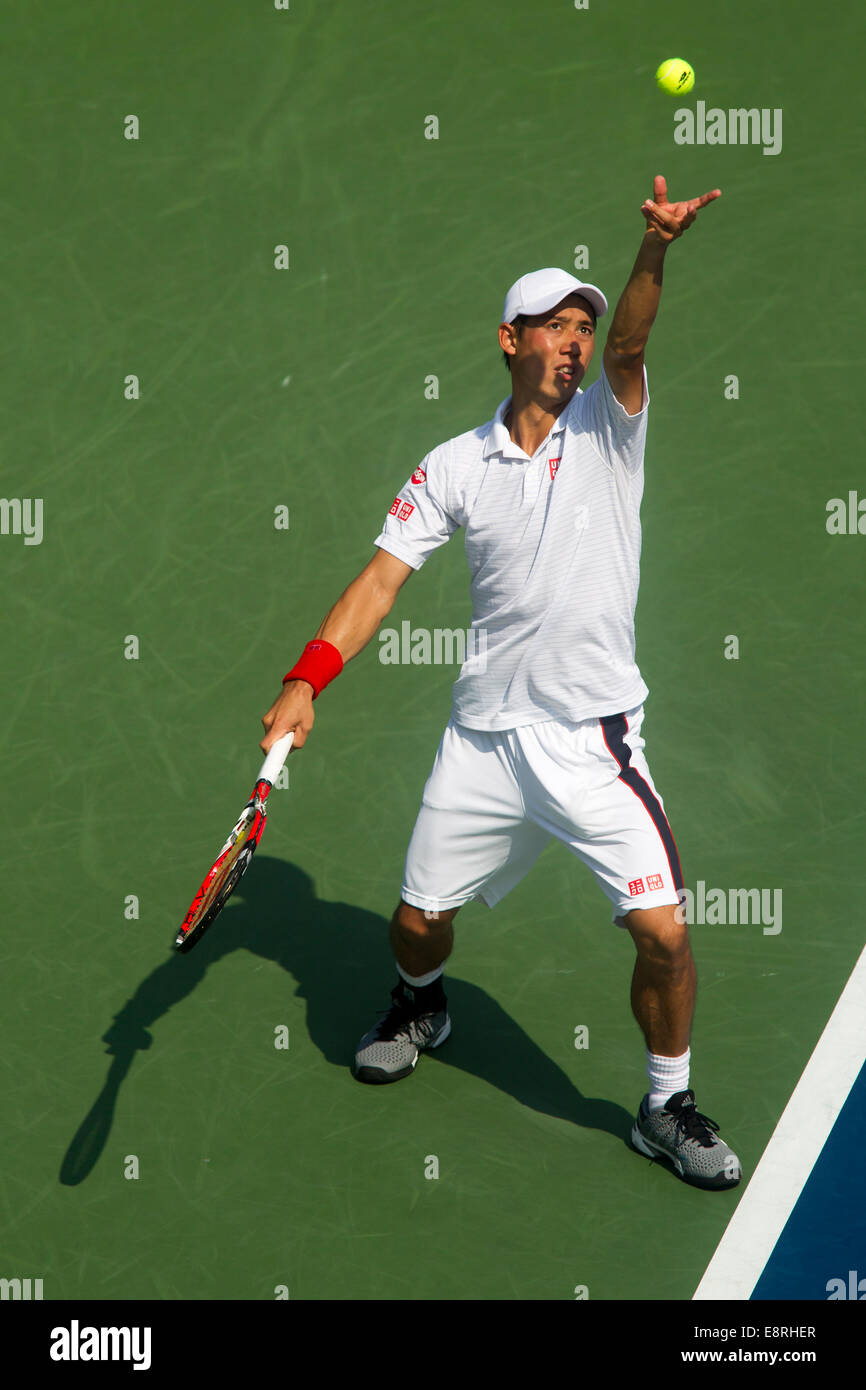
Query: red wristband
(319, 663)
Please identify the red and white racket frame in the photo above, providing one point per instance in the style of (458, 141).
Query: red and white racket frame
(253, 815)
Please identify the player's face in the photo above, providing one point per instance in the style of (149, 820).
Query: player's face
(555, 349)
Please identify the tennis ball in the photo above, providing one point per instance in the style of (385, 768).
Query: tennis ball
(676, 76)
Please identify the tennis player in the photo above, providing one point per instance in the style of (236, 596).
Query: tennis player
(544, 737)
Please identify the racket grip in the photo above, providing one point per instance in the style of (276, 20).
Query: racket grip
(273, 763)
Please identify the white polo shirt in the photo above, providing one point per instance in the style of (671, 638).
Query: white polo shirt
(553, 544)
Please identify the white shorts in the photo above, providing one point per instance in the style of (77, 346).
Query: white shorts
(494, 800)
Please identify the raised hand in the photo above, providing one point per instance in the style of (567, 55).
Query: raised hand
(666, 220)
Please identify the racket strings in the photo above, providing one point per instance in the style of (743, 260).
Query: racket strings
(228, 868)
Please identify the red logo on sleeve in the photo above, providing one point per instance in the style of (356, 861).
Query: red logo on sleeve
(654, 881)
(419, 476)
(394, 507)
(406, 511)
(636, 886)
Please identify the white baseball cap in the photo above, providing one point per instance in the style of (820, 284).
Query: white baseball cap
(541, 290)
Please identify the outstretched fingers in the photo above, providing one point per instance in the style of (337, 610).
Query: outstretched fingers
(674, 218)
(660, 197)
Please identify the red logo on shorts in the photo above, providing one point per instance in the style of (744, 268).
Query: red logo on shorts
(406, 511)
(636, 886)
(654, 881)
(553, 464)
(419, 476)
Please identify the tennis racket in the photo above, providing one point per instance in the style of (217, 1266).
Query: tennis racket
(236, 853)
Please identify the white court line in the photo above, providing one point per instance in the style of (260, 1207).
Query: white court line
(794, 1147)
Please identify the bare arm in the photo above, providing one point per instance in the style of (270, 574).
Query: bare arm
(635, 313)
(349, 626)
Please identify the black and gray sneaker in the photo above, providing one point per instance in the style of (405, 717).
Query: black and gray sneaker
(680, 1133)
(392, 1047)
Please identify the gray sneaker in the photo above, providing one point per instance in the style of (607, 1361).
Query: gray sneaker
(679, 1132)
(392, 1047)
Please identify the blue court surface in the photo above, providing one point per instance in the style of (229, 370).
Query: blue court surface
(821, 1254)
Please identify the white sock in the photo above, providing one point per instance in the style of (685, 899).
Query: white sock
(667, 1076)
(419, 981)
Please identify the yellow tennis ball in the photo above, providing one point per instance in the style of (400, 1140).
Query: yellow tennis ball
(676, 76)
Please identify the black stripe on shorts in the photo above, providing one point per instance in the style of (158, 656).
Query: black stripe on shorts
(614, 728)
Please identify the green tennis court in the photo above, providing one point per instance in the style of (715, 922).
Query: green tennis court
(215, 441)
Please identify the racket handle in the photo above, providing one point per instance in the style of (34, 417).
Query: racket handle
(273, 763)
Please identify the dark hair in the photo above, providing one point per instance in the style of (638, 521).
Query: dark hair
(518, 323)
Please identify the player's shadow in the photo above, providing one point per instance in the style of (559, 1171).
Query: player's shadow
(341, 960)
